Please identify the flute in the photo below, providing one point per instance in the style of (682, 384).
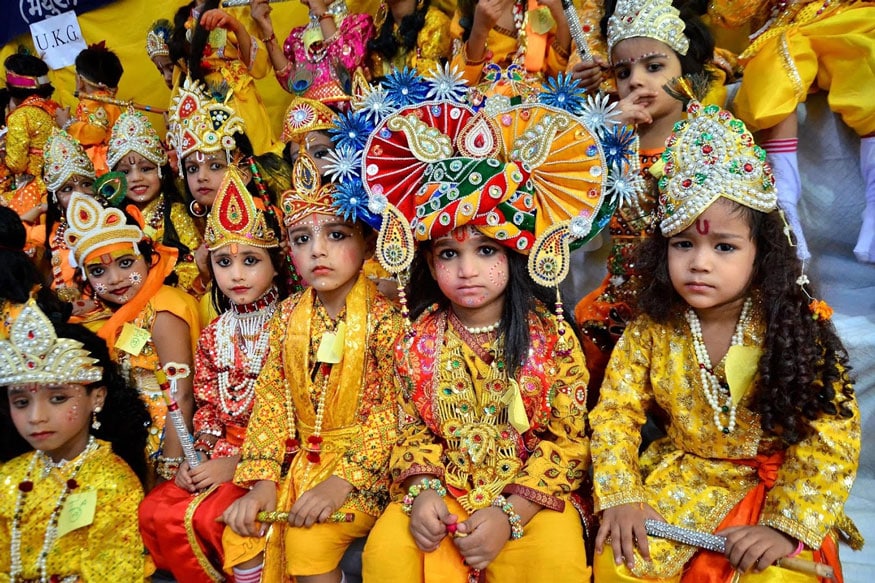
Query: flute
(167, 377)
(234, 3)
(275, 516)
(119, 102)
(576, 31)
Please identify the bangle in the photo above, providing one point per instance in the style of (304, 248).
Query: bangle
(270, 38)
(416, 489)
(515, 520)
(798, 550)
(487, 55)
(324, 16)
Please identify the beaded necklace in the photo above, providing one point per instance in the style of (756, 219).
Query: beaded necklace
(711, 385)
(249, 322)
(51, 534)
(156, 215)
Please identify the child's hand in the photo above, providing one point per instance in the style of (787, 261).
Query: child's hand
(240, 515)
(316, 6)
(487, 530)
(555, 7)
(62, 116)
(633, 107)
(624, 525)
(214, 471)
(202, 260)
(83, 306)
(218, 18)
(429, 519)
(320, 502)
(33, 215)
(260, 11)
(487, 13)
(589, 74)
(755, 547)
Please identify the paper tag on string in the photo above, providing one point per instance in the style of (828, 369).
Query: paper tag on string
(78, 511)
(741, 367)
(132, 339)
(331, 345)
(516, 408)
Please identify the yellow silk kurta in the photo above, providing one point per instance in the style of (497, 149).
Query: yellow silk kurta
(108, 550)
(185, 269)
(689, 476)
(434, 45)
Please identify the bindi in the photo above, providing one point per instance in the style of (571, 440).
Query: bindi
(702, 226)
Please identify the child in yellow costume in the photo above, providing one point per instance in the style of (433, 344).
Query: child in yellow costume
(763, 431)
(409, 33)
(492, 442)
(798, 47)
(317, 447)
(86, 425)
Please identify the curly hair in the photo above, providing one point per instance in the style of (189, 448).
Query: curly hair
(521, 296)
(803, 359)
(387, 43)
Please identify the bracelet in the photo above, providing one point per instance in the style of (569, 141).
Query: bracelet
(515, 520)
(416, 489)
(487, 55)
(798, 550)
(166, 467)
(272, 37)
(324, 16)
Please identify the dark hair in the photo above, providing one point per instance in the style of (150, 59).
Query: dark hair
(99, 65)
(177, 43)
(701, 49)
(387, 43)
(802, 358)
(123, 420)
(521, 296)
(29, 66)
(466, 17)
(199, 39)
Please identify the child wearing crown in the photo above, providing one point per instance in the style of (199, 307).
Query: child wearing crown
(150, 325)
(246, 261)
(68, 508)
(317, 450)
(157, 49)
(136, 151)
(763, 430)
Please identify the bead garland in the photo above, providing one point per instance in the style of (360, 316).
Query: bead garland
(711, 385)
(515, 520)
(248, 322)
(416, 489)
(51, 534)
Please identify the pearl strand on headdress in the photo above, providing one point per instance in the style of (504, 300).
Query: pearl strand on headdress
(51, 534)
(711, 385)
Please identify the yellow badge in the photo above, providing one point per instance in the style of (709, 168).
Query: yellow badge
(516, 409)
(541, 20)
(741, 367)
(331, 345)
(78, 511)
(132, 339)
(312, 36)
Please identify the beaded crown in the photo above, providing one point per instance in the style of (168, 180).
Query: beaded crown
(64, 157)
(133, 132)
(92, 227)
(33, 353)
(157, 38)
(656, 19)
(234, 217)
(200, 123)
(708, 155)
(305, 115)
(308, 194)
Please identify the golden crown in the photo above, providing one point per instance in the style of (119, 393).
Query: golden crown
(157, 38)
(33, 353)
(133, 132)
(308, 195)
(656, 19)
(64, 157)
(200, 123)
(234, 217)
(92, 227)
(306, 115)
(708, 155)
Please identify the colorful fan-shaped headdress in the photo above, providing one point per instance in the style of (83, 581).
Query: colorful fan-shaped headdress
(64, 157)
(158, 37)
(708, 155)
(94, 230)
(656, 19)
(235, 218)
(133, 132)
(198, 122)
(33, 353)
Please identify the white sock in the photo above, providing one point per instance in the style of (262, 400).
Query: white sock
(865, 248)
(251, 575)
(782, 157)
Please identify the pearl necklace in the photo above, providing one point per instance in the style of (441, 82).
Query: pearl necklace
(483, 329)
(248, 322)
(51, 534)
(711, 385)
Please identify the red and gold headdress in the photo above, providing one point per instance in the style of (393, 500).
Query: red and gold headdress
(308, 194)
(64, 157)
(133, 132)
(200, 123)
(93, 229)
(235, 218)
(33, 353)
(306, 115)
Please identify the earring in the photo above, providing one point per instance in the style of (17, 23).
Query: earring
(95, 424)
(197, 209)
(54, 198)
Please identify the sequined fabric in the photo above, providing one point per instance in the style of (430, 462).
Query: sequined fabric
(433, 45)
(28, 128)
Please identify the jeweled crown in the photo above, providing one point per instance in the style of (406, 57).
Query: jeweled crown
(157, 38)
(64, 157)
(133, 132)
(656, 19)
(306, 115)
(92, 227)
(33, 353)
(235, 218)
(308, 195)
(200, 123)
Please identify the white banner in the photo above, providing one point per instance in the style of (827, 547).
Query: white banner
(58, 39)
